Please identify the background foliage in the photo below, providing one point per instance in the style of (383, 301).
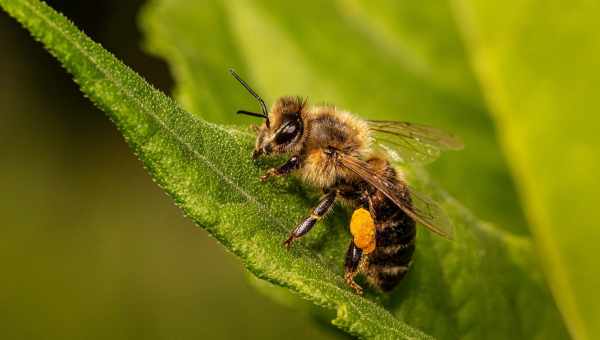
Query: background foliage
(421, 65)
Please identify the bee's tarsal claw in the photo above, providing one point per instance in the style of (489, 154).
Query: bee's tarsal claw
(270, 173)
(288, 243)
(350, 281)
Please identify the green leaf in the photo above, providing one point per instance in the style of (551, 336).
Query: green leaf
(400, 60)
(539, 62)
(482, 285)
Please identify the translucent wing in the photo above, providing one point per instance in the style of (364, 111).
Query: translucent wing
(417, 206)
(411, 143)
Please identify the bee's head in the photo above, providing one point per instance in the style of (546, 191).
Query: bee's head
(283, 127)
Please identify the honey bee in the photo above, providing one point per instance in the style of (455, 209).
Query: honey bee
(352, 161)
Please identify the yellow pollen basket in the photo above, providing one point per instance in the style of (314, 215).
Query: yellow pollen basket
(362, 228)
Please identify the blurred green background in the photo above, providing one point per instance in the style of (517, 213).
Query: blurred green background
(91, 248)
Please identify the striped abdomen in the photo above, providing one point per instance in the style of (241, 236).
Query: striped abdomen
(395, 243)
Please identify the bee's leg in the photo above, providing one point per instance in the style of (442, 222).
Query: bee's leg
(318, 212)
(365, 199)
(287, 167)
(353, 258)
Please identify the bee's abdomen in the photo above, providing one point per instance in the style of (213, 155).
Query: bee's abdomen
(395, 245)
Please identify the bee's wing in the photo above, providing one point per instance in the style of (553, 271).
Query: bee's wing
(411, 143)
(418, 207)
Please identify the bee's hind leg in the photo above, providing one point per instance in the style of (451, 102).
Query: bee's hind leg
(318, 212)
(351, 267)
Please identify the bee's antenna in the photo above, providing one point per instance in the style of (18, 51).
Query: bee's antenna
(263, 106)
(244, 112)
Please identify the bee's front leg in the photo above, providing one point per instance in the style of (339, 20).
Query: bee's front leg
(318, 212)
(287, 167)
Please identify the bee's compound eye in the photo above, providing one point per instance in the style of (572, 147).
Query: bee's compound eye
(289, 129)
(287, 133)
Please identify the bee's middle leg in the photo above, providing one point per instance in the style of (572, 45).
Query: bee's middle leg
(318, 212)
